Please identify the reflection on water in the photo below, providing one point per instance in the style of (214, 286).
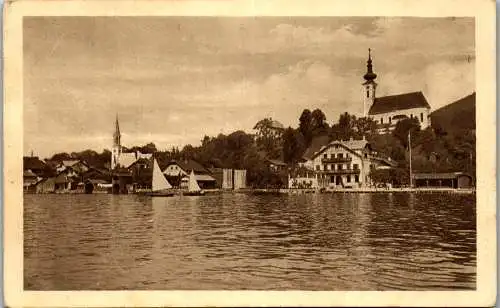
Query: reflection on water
(235, 241)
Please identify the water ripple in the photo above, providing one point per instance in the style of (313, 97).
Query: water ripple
(238, 241)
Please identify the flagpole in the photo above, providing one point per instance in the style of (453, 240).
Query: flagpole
(409, 146)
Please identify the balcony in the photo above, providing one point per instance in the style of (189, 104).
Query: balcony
(336, 160)
(341, 171)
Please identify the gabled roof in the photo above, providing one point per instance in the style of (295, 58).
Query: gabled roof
(320, 143)
(127, 159)
(32, 162)
(277, 162)
(188, 165)
(398, 102)
(336, 142)
(28, 173)
(316, 144)
(277, 125)
(70, 163)
(353, 144)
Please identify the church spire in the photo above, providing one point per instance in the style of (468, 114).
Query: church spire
(117, 134)
(369, 76)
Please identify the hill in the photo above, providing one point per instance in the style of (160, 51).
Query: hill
(457, 116)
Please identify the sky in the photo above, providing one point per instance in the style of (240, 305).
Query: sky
(173, 80)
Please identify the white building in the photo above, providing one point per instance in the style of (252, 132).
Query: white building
(343, 164)
(387, 111)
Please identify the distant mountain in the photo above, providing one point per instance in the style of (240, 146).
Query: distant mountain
(457, 116)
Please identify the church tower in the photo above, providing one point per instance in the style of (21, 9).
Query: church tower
(369, 86)
(117, 147)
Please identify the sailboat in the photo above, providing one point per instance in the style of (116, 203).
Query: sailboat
(160, 186)
(193, 187)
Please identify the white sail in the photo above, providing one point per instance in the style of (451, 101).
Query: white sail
(159, 180)
(193, 184)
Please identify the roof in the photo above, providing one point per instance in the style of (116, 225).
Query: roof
(276, 124)
(69, 163)
(322, 142)
(345, 144)
(188, 165)
(33, 162)
(277, 162)
(28, 173)
(386, 161)
(316, 144)
(438, 176)
(127, 159)
(204, 177)
(353, 144)
(398, 102)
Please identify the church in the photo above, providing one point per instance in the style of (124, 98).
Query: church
(118, 157)
(387, 111)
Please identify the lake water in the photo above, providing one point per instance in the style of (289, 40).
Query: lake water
(393, 241)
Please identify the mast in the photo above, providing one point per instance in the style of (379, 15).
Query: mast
(409, 146)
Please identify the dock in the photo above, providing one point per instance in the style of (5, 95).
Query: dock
(294, 191)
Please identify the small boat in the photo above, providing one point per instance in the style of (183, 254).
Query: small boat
(160, 186)
(193, 187)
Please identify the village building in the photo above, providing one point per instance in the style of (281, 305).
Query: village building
(178, 171)
(276, 165)
(34, 170)
(76, 165)
(37, 166)
(29, 180)
(343, 163)
(387, 111)
(443, 180)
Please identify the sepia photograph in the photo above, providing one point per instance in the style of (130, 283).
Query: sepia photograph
(251, 152)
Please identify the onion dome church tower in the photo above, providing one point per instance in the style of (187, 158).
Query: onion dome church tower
(117, 148)
(369, 86)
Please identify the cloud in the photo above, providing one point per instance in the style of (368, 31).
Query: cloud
(248, 69)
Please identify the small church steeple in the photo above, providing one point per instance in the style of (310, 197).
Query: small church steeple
(117, 147)
(369, 86)
(117, 135)
(370, 75)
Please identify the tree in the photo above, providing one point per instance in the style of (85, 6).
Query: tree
(318, 122)
(293, 145)
(305, 125)
(267, 138)
(59, 157)
(403, 127)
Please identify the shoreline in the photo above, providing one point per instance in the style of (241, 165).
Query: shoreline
(296, 191)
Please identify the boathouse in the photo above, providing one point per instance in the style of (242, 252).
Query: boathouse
(443, 180)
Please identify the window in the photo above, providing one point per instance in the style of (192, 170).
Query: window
(356, 178)
(318, 167)
(339, 166)
(411, 116)
(366, 155)
(340, 155)
(421, 117)
(355, 166)
(325, 155)
(381, 120)
(332, 156)
(348, 166)
(390, 120)
(367, 92)
(348, 179)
